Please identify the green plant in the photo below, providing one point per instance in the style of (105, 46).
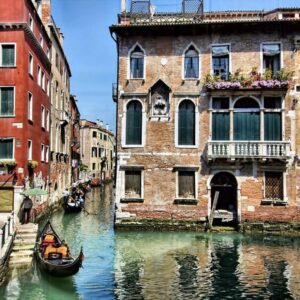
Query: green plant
(8, 163)
(32, 164)
(83, 167)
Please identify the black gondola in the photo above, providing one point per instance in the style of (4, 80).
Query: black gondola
(73, 207)
(53, 254)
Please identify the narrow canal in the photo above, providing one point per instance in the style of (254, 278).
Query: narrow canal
(161, 265)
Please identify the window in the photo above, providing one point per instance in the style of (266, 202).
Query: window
(274, 185)
(272, 119)
(94, 134)
(48, 87)
(43, 80)
(137, 63)
(7, 55)
(41, 41)
(56, 60)
(271, 57)
(186, 185)
(30, 64)
(29, 155)
(47, 120)
(133, 184)
(105, 137)
(30, 106)
(43, 117)
(6, 101)
(94, 166)
(220, 61)
(39, 76)
(246, 120)
(31, 22)
(6, 148)
(186, 123)
(134, 123)
(94, 151)
(191, 63)
(42, 152)
(47, 154)
(220, 119)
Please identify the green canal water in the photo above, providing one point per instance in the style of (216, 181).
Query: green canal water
(161, 265)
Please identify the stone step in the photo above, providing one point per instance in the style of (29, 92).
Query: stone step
(26, 236)
(20, 242)
(23, 253)
(23, 247)
(16, 261)
(28, 228)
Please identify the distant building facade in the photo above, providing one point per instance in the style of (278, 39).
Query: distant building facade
(97, 150)
(204, 105)
(25, 75)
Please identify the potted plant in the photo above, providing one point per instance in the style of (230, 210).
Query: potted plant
(32, 164)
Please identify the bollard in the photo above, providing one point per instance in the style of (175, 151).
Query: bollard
(8, 226)
(12, 223)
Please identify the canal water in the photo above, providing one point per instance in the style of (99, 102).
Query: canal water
(161, 265)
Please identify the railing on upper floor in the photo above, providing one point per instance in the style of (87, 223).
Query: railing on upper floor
(248, 149)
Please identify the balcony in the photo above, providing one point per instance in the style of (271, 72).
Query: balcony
(64, 118)
(248, 149)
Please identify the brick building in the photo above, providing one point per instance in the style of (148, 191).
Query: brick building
(97, 150)
(206, 102)
(60, 152)
(24, 102)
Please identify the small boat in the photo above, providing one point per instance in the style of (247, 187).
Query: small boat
(53, 255)
(73, 207)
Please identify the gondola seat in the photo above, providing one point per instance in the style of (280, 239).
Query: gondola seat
(56, 253)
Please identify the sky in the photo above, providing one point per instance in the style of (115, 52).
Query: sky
(91, 51)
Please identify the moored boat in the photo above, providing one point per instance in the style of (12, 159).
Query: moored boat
(53, 255)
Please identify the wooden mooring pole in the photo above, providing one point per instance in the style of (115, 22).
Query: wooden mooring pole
(212, 212)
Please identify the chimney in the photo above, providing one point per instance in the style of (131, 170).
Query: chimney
(45, 12)
(123, 6)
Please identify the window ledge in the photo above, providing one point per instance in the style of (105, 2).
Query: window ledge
(280, 203)
(133, 146)
(266, 201)
(10, 116)
(131, 200)
(186, 201)
(187, 147)
(7, 67)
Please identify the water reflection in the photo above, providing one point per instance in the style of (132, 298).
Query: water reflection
(198, 266)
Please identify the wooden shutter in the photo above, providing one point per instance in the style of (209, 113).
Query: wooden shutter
(273, 126)
(134, 123)
(6, 200)
(246, 126)
(186, 123)
(186, 184)
(220, 126)
(133, 184)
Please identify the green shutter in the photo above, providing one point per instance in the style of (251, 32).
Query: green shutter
(134, 123)
(7, 102)
(186, 123)
(8, 55)
(220, 126)
(246, 126)
(273, 126)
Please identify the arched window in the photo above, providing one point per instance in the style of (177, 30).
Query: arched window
(186, 123)
(246, 120)
(134, 122)
(137, 63)
(191, 63)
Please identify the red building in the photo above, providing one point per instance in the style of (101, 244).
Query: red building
(24, 102)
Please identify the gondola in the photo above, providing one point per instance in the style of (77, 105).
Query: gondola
(71, 207)
(53, 255)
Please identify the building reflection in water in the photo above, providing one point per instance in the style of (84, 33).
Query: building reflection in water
(198, 266)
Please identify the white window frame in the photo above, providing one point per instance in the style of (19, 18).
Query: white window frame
(197, 133)
(262, 70)
(43, 116)
(42, 152)
(31, 22)
(211, 57)
(48, 87)
(14, 112)
(284, 174)
(46, 153)
(30, 64)
(129, 65)
(13, 154)
(42, 41)
(183, 60)
(29, 153)
(124, 145)
(39, 75)
(195, 183)
(15, 55)
(47, 120)
(43, 80)
(30, 106)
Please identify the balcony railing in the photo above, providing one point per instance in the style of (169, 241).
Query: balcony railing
(248, 149)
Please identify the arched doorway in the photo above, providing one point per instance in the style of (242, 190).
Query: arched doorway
(226, 209)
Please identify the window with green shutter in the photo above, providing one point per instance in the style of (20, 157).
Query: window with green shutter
(6, 101)
(186, 123)
(272, 119)
(6, 149)
(246, 120)
(7, 55)
(134, 120)
(220, 119)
